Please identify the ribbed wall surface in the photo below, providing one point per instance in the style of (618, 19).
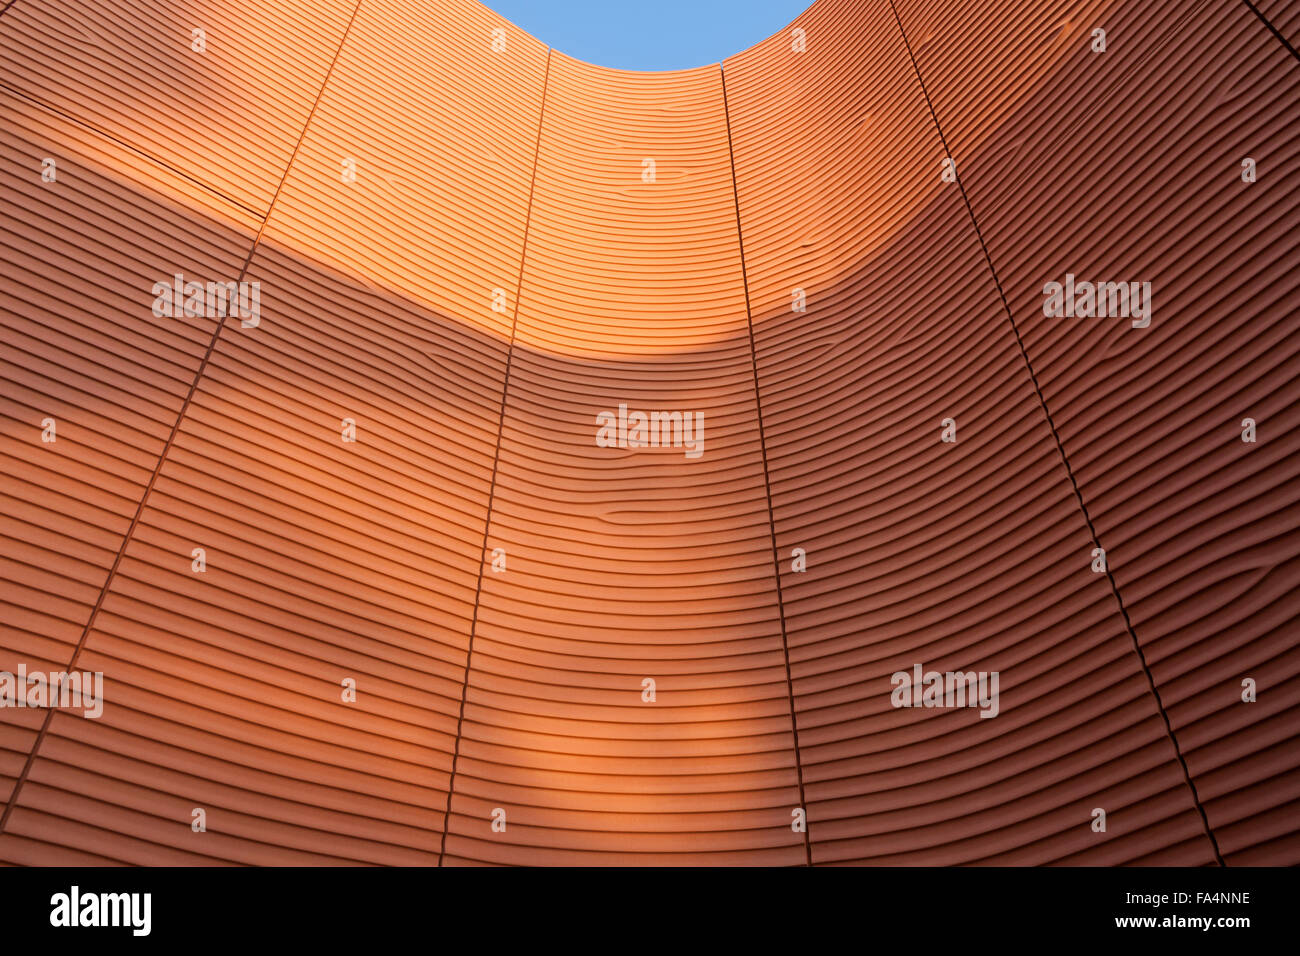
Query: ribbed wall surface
(472, 247)
(962, 556)
(1283, 16)
(132, 71)
(82, 347)
(624, 565)
(1200, 528)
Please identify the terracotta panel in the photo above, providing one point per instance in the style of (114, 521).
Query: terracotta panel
(1283, 16)
(1200, 528)
(129, 69)
(441, 131)
(627, 564)
(326, 559)
(965, 556)
(472, 248)
(80, 254)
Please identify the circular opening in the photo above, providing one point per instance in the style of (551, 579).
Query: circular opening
(650, 35)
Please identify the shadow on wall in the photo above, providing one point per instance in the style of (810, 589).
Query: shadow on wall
(228, 685)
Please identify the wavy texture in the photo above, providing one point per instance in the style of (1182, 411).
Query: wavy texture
(970, 555)
(500, 271)
(82, 347)
(1200, 528)
(130, 70)
(625, 565)
(1283, 16)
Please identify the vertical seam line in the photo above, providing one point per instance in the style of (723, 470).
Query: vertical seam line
(767, 483)
(1060, 447)
(171, 438)
(496, 461)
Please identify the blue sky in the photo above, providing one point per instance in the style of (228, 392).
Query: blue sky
(650, 34)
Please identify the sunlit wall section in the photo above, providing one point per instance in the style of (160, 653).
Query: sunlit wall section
(627, 700)
(298, 680)
(92, 382)
(925, 520)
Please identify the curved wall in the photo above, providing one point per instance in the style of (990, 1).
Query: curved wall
(530, 241)
(965, 555)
